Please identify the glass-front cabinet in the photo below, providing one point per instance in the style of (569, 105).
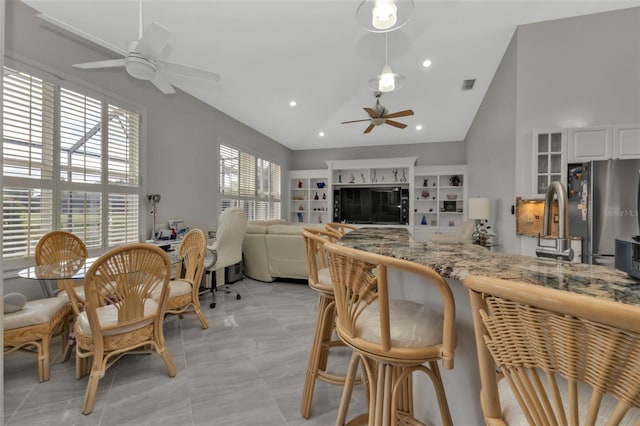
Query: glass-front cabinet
(549, 159)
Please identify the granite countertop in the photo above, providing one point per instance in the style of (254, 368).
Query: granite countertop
(459, 260)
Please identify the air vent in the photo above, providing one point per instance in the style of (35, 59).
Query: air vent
(468, 84)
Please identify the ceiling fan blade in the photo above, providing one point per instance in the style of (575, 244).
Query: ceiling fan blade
(153, 41)
(404, 113)
(187, 71)
(161, 82)
(370, 128)
(372, 112)
(111, 63)
(395, 124)
(82, 35)
(355, 121)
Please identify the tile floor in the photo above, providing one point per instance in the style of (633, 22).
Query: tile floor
(246, 369)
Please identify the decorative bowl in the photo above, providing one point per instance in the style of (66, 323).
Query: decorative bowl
(452, 196)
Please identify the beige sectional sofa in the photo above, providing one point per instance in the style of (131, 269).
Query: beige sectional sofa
(274, 249)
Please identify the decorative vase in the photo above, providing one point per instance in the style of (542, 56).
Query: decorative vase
(424, 220)
(316, 197)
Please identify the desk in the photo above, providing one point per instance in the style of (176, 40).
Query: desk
(455, 262)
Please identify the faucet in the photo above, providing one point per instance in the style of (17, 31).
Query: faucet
(562, 249)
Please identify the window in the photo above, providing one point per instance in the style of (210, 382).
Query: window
(70, 162)
(249, 182)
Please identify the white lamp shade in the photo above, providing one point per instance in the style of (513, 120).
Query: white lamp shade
(387, 80)
(381, 16)
(478, 208)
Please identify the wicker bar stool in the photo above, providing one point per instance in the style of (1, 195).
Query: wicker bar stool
(320, 281)
(392, 339)
(339, 228)
(564, 358)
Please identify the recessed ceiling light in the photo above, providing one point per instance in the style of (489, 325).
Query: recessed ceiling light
(321, 134)
(419, 127)
(293, 103)
(426, 63)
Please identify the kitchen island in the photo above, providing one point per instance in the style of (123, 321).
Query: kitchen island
(455, 262)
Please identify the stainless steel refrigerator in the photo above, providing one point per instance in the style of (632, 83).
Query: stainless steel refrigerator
(604, 202)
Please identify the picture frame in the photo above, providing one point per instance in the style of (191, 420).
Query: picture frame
(449, 206)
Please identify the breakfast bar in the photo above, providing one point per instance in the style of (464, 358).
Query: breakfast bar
(455, 262)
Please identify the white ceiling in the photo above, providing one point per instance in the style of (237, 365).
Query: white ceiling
(314, 52)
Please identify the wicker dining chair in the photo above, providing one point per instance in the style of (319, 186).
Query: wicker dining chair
(57, 246)
(184, 288)
(323, 341)
(340, 228)
(32, 327)
(121, 316)
(562, 357)
(391, 339)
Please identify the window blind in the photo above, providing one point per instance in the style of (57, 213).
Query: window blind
(98, 146)
(249, 182)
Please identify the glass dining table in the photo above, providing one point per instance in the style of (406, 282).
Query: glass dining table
(72, 269)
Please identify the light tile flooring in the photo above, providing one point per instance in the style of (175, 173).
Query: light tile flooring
(247, 369)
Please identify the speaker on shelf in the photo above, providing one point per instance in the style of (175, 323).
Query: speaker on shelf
(336, 205)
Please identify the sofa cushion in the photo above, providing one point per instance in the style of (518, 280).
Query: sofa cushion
(285, 230)
(256, 228)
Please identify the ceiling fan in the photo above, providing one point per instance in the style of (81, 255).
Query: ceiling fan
(378, 115)
(141, 59)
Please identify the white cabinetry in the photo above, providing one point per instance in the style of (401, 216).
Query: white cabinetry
(549, 159)
(620, 141)
(439, 200)
(309, 196)
(626, 141)
(590, 144)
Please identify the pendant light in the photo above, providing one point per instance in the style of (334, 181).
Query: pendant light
(387, 80)
(381, 16)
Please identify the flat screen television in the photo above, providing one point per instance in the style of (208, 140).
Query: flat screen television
(372, 205)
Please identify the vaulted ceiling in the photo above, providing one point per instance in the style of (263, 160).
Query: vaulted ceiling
(269, 53)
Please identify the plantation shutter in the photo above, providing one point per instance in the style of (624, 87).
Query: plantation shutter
(124, 216)
(123, 147)
(80, 138)
(27, 166)
(248, 182)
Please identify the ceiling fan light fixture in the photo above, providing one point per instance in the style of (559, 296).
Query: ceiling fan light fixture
(139, 67)
(381, 16)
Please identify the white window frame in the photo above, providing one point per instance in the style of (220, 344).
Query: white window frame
(19, 63)
(273, 198)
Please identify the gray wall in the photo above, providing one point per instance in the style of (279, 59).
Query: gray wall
(573, 72)
(429, 154)
(491, 150)
(181, 132)
(576, 72)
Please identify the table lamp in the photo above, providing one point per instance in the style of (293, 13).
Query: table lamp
(479, 210)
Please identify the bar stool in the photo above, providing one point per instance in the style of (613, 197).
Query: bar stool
(391, 338)
(340, 228)
(320, 281)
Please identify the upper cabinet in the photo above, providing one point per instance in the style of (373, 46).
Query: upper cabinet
(626, 141)
(604, 143)
(590, 144)
(549, 159)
